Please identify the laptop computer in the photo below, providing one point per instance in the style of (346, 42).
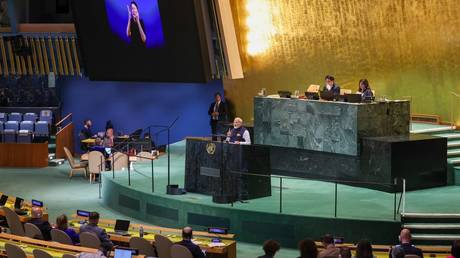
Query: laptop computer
(122, 227)
(327, 95)
(312, 95)
(123, 252)
(284, 94)
(353, 98)
(3, 200)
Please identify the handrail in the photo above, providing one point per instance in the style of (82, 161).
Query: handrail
(63, 119)
(455, 94)
(62, 129)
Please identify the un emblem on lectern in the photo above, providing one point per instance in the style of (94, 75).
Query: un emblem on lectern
(210, 148)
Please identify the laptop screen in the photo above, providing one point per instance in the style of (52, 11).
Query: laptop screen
(3, 200)
(83, 213)
(122, 225)
(123, 253)
(18, 203)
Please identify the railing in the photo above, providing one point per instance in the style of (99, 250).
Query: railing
(64, 136)
(326, 193)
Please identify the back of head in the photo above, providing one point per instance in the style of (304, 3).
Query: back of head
(308, 249)
(405, 236)
(455, 251)
(328, 239)
(364, 249)
(187, 233)
(37, 212)
(93, 217)
(271, 247)
(61, 222)
(329, 77)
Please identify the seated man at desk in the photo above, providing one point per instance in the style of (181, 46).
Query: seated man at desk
(238, 134)
(331, 85)
(187, 235)
(85, 133)
(43, 225)
(106, 244)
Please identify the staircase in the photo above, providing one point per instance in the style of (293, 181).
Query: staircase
(432, 228)
(52, 161)
(453, 146)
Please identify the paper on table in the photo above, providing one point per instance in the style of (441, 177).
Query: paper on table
(216, 244)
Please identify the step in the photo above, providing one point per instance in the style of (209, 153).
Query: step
(449, 237)
(449, 135)
(434, 130)
(453, 144)
(453, 161)
(453, 153)
(431, 225)
(431, 215)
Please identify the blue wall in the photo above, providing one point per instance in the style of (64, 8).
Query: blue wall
(136, 105)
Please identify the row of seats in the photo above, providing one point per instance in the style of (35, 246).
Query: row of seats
(45, 115)
(23, 132)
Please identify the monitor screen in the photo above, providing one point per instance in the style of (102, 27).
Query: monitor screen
(122, 225)
(143, 40)
(218, 230)
(36, 203)
(83, 213)
(18, 203)
(3, 200)
(123, 253)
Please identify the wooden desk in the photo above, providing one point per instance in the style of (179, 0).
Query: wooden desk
(27, 206)
(203, 238)
(26, 155)
(28, 245)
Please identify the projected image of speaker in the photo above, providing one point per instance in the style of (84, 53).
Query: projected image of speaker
(143, 40)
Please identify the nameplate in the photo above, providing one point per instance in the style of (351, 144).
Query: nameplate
(212, 172)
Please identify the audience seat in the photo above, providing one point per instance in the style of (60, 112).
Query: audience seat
(3, 117)
(27, 125)
(143, 245)
(69, 256)
(1, 131)
(74, 167)
(60, 237)
(14, 223)
(9, 136)
(163, 246)
(15, 116)
(96, 164)
(90, 240)
(42, 129)
(30, 117)
(32, 231)
(47, 116)
(13, 125)
(180, 251)
(41, 254)
(24, 136)
(14, 251)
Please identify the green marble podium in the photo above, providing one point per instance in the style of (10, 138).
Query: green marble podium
(327, 126)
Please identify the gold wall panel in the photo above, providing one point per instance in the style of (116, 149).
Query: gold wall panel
(404, 47)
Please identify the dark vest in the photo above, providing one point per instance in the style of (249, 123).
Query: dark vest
(237, 134)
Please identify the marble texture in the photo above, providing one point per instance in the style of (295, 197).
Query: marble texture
(334, 127)
(420, 159)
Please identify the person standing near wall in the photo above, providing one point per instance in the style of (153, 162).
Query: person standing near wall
(218, 113)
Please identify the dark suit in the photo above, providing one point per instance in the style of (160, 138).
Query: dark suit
(106, 244)
(265, 256)
(214, 121)
(44, 227)
(194, 249)
(409, 249)
(335, 89)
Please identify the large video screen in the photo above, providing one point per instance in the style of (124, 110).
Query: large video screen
(142, 40)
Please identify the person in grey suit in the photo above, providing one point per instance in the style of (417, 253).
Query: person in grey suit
(92, 227)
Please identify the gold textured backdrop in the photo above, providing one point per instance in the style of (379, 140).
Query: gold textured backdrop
(404, 47)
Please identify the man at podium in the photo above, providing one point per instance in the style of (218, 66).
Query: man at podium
(238, 134)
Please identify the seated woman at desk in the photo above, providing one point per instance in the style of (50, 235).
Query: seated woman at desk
(365, 90)
(238, 134)
(108, 138)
